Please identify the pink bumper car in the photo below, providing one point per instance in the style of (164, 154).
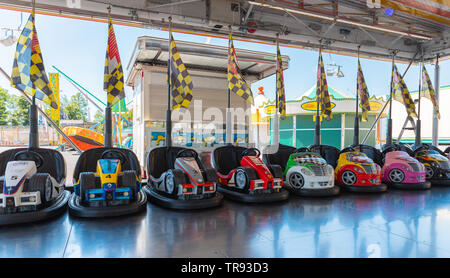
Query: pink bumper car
(402, 171)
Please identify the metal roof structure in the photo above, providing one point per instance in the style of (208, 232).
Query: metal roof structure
(380, 27)
(154, 51)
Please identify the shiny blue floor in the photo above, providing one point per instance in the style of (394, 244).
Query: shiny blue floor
(395, 224)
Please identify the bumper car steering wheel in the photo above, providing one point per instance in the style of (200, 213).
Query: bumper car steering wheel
(302, 150)
(114, 154)
(28, 155)
(348, 149)
(251, 151)
(187, 153)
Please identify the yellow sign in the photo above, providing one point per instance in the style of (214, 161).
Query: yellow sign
(312, 105)
(270, 109)
(375, 106)
(55, 114)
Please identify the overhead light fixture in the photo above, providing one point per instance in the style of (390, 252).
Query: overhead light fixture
(8, 41)
(340, 20)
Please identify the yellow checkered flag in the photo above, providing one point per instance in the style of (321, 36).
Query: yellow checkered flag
(401, 93)
(28, 73)
(236, 82)
(428, 91)
(280, 86)
(113, 82)
(180, 80)
(322, 90)
(363, 93)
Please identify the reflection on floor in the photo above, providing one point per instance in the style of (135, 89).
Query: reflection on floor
(395, 224)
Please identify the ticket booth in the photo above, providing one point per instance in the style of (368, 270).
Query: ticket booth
(202, 125)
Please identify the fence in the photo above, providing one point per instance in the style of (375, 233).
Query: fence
(19, 135)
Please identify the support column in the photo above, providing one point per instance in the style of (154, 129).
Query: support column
(34, 132)
(435, 135)
(108, 128)
(294, 131)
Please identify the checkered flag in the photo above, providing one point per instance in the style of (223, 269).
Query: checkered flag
(428, 91)
(180, 80)
(113, 82)
(236, 82)
(28, 73)
(280, 86)
(322, 90)
(363, 93)
(401, 93)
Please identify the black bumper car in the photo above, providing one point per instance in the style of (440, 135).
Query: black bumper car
(437, 164)
(179, 180)
(243, 177)
(107, 183)
(31, 185)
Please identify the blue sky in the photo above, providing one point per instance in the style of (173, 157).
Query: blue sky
(78, 48)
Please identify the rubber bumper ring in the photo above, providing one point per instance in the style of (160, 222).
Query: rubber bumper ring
(57, 208)
(440, 182)
(411, 186)
(282, 195)
(365, 189)
(78, 210)
(325, 192)
(163, 201)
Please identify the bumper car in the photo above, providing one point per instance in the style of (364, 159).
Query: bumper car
(400, 170)
(179, 180)
(107, 183)
(437, 165)
(31, 185)
(354, 171)
(305, 172)
(243, 177)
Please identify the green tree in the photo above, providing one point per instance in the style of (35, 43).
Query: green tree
(99, 117)
(76, 108)
(4, 101)
(18, 108)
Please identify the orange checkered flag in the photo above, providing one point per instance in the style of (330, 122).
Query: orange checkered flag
(113, 82)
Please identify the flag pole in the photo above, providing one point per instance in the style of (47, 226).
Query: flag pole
(276, 123)
(389, 123)
(108, 115)
(34, 132)
(228, 126)
(356, 127)
(169, 89)
(418, 140)
(435, 125)
(317, 129)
